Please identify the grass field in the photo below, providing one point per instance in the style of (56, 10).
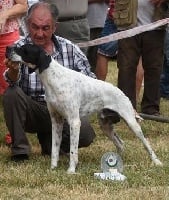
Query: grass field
(35, 180)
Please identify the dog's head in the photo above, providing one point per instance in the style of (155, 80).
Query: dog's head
(32, 55)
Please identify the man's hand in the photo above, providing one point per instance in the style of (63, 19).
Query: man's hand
(12, 65)
(13, 72)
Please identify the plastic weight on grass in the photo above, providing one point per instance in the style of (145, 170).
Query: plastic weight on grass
(112, 167)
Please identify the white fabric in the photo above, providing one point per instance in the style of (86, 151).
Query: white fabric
(96, 14)
(125, 34)
(70, 8)
(145, 12)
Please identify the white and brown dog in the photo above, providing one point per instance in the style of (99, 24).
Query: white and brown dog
(71, 95)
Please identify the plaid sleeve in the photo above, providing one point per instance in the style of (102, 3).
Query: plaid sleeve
(81, 63)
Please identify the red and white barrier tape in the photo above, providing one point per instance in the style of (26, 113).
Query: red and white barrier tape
(125, 34)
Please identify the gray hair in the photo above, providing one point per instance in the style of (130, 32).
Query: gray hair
(51, 7)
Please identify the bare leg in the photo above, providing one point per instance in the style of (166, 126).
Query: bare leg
(139, 78)
(102, 67)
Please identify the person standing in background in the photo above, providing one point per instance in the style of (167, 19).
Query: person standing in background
(96, 15)
(106, 51)
(164, 79)
(148, 45)
(10, 12)
(72, 22)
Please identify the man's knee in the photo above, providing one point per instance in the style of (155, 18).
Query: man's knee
(86, 136)
(11, 94)
(87, 140)
(87, 133)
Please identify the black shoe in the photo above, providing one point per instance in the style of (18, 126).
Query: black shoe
(19, 157)
(45, 141)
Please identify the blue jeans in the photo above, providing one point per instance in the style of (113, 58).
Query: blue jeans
(164, 80)
(108, 49)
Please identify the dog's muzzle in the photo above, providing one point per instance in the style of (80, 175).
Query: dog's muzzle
(12, 55)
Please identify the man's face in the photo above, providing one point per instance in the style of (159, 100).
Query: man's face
(41, 27)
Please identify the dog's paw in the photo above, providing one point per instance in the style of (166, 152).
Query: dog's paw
(71, 170)
(158, 162)
(53, 167)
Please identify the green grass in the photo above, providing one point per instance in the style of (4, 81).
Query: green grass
(35, 180)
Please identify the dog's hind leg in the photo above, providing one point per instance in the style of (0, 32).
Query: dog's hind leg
(107, 127)
(119, 143)
(135, 127)
(74, 142)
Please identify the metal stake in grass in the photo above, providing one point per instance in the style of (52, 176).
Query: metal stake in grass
(155, 118)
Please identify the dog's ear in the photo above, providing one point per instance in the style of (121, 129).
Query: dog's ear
(44, 61)
(19, 50)
(30, 53)
(35, 55)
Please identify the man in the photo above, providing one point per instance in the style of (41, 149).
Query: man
(25, 108)
(148, 45)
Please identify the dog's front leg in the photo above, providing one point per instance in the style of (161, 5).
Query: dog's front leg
(57, 127)
(74, 142)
